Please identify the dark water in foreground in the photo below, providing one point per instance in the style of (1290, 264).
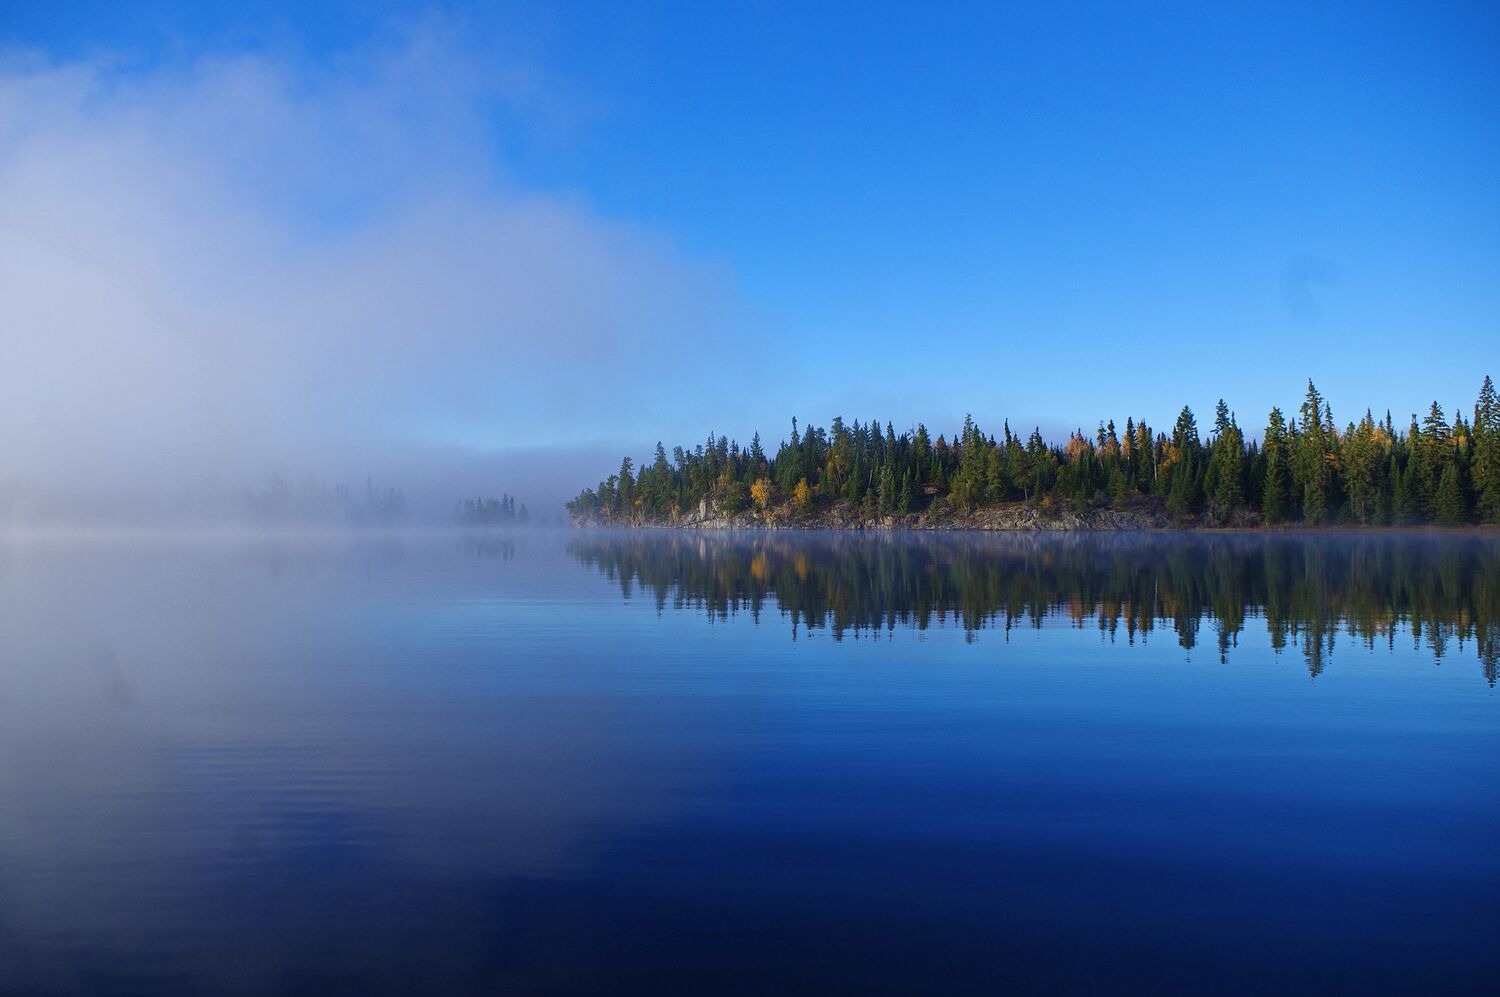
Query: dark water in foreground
(657, 764)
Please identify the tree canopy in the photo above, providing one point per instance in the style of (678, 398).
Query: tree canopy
(1301, 470)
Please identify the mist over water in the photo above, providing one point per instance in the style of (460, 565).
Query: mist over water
(239, 275)
(314, 317)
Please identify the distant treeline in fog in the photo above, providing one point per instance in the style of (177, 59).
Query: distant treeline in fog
(1303, 469)
(492, 511)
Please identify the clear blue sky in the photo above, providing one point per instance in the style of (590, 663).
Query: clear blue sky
(1051, 212)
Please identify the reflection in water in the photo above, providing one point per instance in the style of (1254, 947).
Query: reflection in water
(409, 763)
(1441, 590)
(229, 766)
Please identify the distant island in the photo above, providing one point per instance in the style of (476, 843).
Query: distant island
(1303, 470)
(491, 512)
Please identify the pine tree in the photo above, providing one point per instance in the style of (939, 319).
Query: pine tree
(1449, 499)
(906, 495)
(1433, 452)
(1408, 493)
(625, 490)
(1184, 487)
(1359, 469)
(1314, 503)
(968, 480)
(921, 452)
(1224, 480)
(1312, 460)
(887, 497)
(996, 481)
(1486, 465)
(1273, 500)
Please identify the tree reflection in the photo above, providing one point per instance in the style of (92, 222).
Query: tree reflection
(1441, 590)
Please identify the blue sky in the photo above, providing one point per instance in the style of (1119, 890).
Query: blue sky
(1053, 213)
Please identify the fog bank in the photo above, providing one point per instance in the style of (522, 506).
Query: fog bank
(238, 271)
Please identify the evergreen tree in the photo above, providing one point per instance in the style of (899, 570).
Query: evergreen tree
(968, 481)
(996, 480)
(1359, 466)
(1224, 479)
(1311, 469)
(1184, 488)
(625, 489)
(1449, 498)
(1433, 453)
(1274, 502)
(887, 498)
(1486, 463)
(921, 452)
(1408, 494)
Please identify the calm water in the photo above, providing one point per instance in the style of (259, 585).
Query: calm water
(594, 762)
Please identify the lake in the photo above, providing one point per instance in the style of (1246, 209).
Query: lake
(656, 762)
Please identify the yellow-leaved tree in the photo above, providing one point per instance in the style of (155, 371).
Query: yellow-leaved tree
(802, 496)
(760, 493)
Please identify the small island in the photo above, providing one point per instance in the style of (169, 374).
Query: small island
(1302, 470)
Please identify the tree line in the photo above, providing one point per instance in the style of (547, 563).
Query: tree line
(1304, 468)
(491, 511)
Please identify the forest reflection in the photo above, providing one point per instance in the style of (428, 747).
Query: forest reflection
(1439, 591)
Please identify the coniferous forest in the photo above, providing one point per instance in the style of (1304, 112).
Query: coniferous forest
(1304, 468)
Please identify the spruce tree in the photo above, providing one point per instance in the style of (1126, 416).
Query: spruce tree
(1434, 452)
(1360, 461)
(905, 496)
(625, 490)
(1486, 466)
(1449, 500)
(1224, 480)
(1314, 503)
(1273, 500)
(1313, 457)
(1183, 489)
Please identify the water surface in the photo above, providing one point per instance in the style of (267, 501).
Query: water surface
(681, 763)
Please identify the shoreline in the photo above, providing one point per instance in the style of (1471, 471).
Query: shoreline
(987, 521)
(1279, 528)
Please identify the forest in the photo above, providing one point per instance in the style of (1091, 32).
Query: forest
(1302, 469)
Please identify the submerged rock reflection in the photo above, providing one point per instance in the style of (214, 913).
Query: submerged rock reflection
(1437, 590)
